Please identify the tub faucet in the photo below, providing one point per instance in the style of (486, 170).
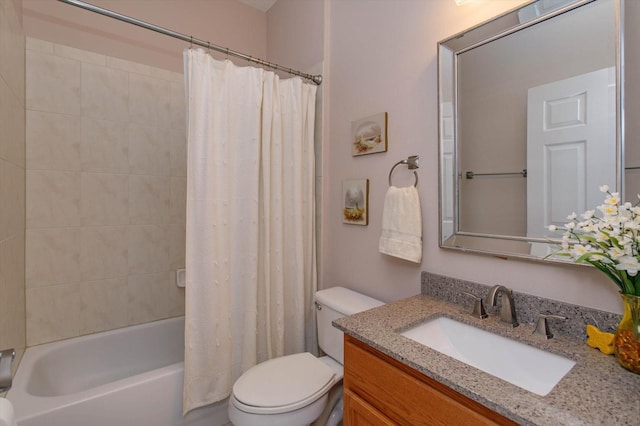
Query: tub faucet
(6, 359)
(507, 306)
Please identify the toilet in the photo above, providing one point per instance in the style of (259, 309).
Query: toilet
(294, 390)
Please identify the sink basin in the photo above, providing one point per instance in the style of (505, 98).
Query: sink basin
(530, 368)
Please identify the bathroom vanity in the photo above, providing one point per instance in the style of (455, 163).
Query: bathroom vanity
(397, 394)
(391, 379)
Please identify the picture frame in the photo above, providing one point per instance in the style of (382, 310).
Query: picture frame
(355, 196)
(369, 135)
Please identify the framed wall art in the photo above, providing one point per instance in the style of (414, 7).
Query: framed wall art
(355, 193)
(369, 135)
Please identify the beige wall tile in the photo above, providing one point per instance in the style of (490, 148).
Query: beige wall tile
(5, 117)
(79, 55)
(105, 93)
(53, 83)
(177, 241)
(105, 146)
(38, 45)
(124, 65)
(147, 297)
(5, 213)
(53, 141)
(178, 200)
(178, 149)
(53, 199)
(104, 199)
(12, 44)
(149, 150)
(12, 178)
(175, 117)
(103, 305)
(12, 212)
(148, 100)
(149, 199)
(52, 256)
(148, 249)
(166, 75)
(52, 313)
(12, 293)
(100, 245)
(12, 130)
(103, 252)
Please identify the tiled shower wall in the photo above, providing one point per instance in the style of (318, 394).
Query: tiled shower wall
(12, 177)
(105, 192)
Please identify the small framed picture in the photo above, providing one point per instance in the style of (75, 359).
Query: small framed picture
(355, 193)
(369, 135)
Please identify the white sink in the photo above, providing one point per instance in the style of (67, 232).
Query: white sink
(530, 368)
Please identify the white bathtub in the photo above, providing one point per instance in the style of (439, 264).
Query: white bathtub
(127, 377)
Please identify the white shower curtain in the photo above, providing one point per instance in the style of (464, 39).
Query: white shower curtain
(250, 245)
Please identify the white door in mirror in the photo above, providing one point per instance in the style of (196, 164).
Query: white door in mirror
(570, 132)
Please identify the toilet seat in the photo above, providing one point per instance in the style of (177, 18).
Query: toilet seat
(282, 384)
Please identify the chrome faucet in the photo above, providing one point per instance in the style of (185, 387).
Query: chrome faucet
(507, 306)
(6, 359)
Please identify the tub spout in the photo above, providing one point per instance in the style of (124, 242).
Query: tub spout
(6, 359)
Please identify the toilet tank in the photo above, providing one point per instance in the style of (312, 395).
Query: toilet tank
(334, 303)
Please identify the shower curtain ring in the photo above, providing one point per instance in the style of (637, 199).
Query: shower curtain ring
(227, 57)
(191, 43)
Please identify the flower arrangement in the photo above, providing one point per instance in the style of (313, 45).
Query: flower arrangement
(611, 242)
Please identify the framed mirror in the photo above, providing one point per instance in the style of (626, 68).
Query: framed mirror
(532, 111)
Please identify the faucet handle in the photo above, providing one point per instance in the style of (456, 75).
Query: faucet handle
(478, 306)
(542, 326)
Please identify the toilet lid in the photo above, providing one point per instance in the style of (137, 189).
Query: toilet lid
(283, 384)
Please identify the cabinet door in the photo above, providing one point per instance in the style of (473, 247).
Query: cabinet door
(404, 395)
(358, 413)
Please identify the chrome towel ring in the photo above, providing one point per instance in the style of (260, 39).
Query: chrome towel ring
(412, 164)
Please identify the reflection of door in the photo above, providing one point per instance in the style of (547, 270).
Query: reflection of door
(570, 140)
(446, 170)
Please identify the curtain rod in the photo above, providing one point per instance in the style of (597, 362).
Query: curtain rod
(317, 79)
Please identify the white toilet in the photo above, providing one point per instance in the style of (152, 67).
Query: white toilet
(293, 390)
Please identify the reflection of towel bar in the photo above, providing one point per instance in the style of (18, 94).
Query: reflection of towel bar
(412, 164)
(471, 175)
(632, 168)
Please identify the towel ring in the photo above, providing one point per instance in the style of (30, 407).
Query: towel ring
(412, 164)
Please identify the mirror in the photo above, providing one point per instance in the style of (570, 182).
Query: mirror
(532, 109)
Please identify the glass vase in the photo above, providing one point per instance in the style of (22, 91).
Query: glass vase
(627, 340)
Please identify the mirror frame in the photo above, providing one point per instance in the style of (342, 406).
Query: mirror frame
(448, 51)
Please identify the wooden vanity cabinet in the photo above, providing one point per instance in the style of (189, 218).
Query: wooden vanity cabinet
(378, 390)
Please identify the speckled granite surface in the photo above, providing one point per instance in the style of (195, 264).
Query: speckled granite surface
(597, 391)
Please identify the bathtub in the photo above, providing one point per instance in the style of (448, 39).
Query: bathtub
(126, 377)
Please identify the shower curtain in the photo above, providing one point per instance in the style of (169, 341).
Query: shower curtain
(250, 245)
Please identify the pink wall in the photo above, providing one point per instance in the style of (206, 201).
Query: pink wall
(295, 33)
(382, 57)
(227, 23)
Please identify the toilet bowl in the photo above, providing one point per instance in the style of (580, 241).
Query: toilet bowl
(293, 390)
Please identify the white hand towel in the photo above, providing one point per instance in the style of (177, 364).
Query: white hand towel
(402, 224)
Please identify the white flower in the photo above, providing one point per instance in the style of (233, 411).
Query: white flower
(553, 228)
(629, 264)
(579, 250)
(570, 225)
(572, 216)
(615, 253)
(608, 210)
(604, 188)
(612, 199)
(588, 214)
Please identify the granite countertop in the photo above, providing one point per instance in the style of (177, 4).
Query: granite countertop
(597, 391)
